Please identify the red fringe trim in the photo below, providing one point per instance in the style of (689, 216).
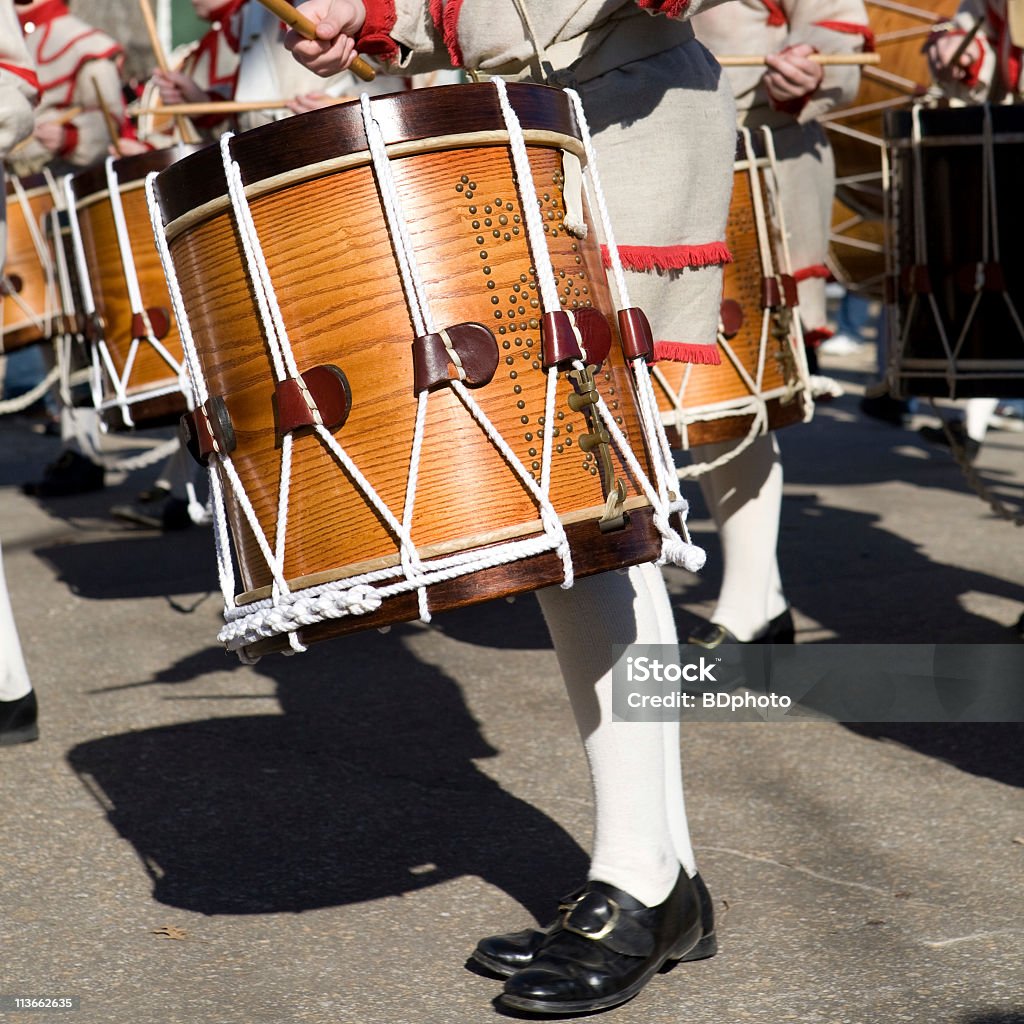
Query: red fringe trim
(850, 28)
(670, 257)
(452, 9)
(815, 270)
(25, 73)
(687, 352)
(812, 339)
(670, 8)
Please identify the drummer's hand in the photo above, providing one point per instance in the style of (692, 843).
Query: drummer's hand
(174, 87)
(314, 101)
(49, 135)
(129, 147)
(941, 52)
(337, 21)
(792, 74)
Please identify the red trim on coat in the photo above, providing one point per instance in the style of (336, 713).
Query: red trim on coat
(27, 74)
(374, 37)
(816, 270)
(670, 257)
(44, 14)
(776, 15)
(69, 142)
(687, 352)
(812, 339)
(853, 29)
(670, 8)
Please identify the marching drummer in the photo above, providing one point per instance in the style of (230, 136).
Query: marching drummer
(788, 95)
(81, 103)
(664, 126)
(18, 92)
(977, 58)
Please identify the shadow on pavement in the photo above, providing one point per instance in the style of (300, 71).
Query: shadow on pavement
(365, 786)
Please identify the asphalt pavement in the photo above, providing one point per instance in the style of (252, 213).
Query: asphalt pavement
(323, 838)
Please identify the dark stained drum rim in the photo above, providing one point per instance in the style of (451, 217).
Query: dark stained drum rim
(948, 122)
(337, 131)
(29, 182)
(128, 168)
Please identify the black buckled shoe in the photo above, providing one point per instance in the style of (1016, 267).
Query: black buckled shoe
(18, 720)
(709, 635)
(605, 949)
(506, 954)
(72, 473)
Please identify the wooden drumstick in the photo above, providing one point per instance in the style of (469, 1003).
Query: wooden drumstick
(307, 30)
(229, 106)
(954, 61)
(66, 118)
(187, 129)
(108, 117)
(757, 60)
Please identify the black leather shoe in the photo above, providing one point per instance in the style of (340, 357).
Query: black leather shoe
(18, 720)
(603, 951)
(72, 473)
(506, 954)
(710, 635)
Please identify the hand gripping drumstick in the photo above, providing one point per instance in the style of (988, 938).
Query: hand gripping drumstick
(188, 132)
(307, 30)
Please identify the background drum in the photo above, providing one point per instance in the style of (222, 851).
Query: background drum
(28, 285)
(957, 285)
(137, 349)
(857, 255)
(319, 510)
(762, 382)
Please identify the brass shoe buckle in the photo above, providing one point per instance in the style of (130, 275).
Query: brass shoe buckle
(607, 929)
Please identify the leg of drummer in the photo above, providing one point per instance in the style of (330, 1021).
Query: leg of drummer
(73, 472)
(18, 710)
(744, 497)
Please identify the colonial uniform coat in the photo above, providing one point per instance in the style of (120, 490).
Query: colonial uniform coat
(661, 113)
(998, 73)
(18, 91)
(74, 62)
(806, 168)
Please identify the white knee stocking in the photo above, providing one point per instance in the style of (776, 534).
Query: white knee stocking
(640, 833)
(744, 498)
(14, 682)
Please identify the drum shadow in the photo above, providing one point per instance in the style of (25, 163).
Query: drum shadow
(136, 565)
(882, 588)
(993, 750)
(487, 624)
(365, 786)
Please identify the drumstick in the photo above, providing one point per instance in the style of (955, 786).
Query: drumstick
(307, 30)
(108, 118)
(756, 60)
(229, 106)
(954, 61)
(187, 129)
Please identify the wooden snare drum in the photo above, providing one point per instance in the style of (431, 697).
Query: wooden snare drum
(857, 253)
(762, 381)
(137, 353)
(320, 510)
(28, 286)
(956, 291)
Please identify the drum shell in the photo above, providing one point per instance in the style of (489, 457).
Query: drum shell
(150, 374)
(24, 263)
(858, 248)
(954, 192)
(707, 391)
(327, 247)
